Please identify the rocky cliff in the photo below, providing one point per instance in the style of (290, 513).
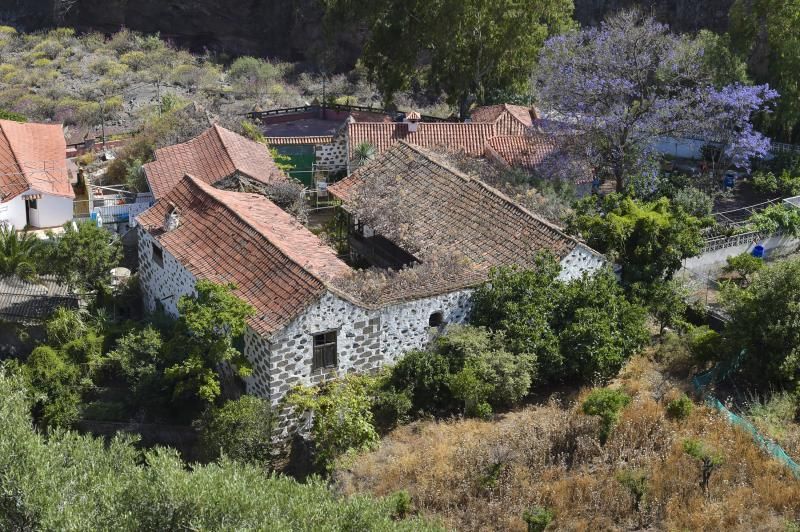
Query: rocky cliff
(287, 29)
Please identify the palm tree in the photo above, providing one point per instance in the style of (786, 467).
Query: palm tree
(19, 253)
(364, 153)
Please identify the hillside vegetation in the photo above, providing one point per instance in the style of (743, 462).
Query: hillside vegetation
(484, 475)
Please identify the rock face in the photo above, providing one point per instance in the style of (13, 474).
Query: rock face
(286, 29)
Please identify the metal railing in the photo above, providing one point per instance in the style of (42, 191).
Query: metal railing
(724, 242)
(257, 115)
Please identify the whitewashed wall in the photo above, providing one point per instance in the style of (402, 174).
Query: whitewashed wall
(51, 211)
(13, 213)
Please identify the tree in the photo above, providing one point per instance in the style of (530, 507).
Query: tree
(649, 239)
(666, 302)
(764, 32)
(84, 255)
(241, 430)
(342, 416)
(209, 323)
(629, 82)
(475, 48)
(72, 481)
(744, 265)
(578, 330)
(607, 404)
(709, 459)
(20, 254)
(763, 334)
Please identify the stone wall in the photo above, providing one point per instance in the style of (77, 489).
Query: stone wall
(367, 338)
(161, 284)
(579, 261)
(332, 157)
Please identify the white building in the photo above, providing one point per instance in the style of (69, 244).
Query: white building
(35, 188)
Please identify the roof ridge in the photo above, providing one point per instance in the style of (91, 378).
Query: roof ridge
(288, 255)
(434, 159)
(216, 128)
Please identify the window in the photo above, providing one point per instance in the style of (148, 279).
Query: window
(158, 255)
(324, 350)
(436, 320)
(33, 203)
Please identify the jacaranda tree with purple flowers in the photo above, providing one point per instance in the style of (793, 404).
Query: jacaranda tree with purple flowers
(622, 86)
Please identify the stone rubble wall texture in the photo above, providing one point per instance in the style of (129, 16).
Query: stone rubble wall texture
(332, 157)
(165, 284)
(367, 338)
(579, 261)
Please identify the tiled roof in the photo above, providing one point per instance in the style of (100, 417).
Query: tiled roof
(302, 141)
(215, 154)
(523, 151)
(33, 156)
(278, 265)
(453, 213)
(22, 300)
(471, 137)
(491, 113)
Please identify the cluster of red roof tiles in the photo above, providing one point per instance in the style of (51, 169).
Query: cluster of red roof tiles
(215, 154)
(277, 264)
(33, 157)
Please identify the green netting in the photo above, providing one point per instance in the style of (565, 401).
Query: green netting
(701, 381)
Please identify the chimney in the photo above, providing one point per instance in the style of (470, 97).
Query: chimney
(412, 119)
(172, 220)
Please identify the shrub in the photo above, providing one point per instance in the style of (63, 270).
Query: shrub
(745, 265)
(240, 430)
(606, 403)
(391, 408)
(64, 326)
(705, 344)
(472, 390)
(680, 408)
(55, 379)
(403, 505)
(777, 218)
(709, 459)
(425, 375)
(538, 518)
(342, 416)
(635, 481)
(694, 201)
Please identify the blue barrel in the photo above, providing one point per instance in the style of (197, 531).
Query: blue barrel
(758, 251)
(729, 181)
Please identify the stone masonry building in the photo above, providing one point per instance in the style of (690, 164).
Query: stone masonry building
(314, 320)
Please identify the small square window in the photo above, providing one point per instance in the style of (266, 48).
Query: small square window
(158, 255)
(33, 204)
(324, 351)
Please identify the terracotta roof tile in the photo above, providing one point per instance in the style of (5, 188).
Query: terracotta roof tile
(469, 137)
(454, 213)
(215, 154)
(491, 113)
(292, 141)
(279, 266)
(33, 157)
(523, 151)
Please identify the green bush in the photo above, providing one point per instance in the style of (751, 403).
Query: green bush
(783, 184)
(54, 380)
(342, 416)
(64, 326)
(391, 408)
(69, 481)
(680, 408)
(538, 518)
(705, 344)
(425, 375)
(240, 430)
(745, 265)
(607, 404)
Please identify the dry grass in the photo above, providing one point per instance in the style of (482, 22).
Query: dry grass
(479, 475)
